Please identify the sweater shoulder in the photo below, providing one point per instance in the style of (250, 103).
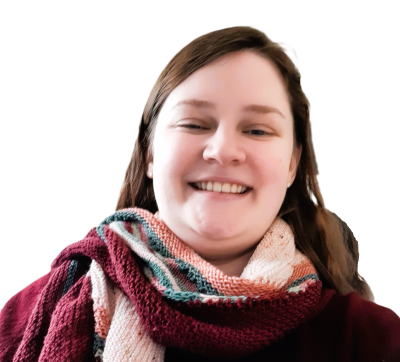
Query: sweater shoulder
(366, 317)
(358, 329)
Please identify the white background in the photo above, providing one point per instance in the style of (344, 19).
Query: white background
(74, 79)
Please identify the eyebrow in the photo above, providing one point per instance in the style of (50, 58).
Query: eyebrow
(255, 108)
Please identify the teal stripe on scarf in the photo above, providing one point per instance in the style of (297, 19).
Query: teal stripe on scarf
(160, 275)
(303, 279)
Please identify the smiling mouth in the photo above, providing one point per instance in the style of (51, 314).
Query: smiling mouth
(220, 190)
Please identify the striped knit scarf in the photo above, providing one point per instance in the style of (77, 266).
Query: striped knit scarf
(148, 291)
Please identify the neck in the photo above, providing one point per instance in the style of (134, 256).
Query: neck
(233, 265)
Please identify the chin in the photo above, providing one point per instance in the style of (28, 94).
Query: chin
(214, 230)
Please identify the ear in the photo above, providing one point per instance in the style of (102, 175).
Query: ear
(149, 164)
(294, 162)
(149, 169)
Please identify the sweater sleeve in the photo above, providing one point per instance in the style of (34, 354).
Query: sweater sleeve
(15, 315)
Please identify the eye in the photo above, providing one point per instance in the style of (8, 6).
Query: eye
(258, 132)
(191, 126)
(198, 126)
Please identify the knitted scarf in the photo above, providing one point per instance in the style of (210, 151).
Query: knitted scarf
(146, 290)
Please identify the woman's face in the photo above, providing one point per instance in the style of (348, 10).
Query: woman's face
(228, 124)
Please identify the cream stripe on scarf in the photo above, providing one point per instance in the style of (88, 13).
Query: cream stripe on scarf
(127, 339)
(117, 322)
(275, 257)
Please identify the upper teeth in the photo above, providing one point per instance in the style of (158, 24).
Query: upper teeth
(219, 187)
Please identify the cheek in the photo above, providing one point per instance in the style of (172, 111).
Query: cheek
(174, 156)
(272, 186)
(272, 168)
(167, 150)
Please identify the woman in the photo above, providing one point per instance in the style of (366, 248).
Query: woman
(217, 250)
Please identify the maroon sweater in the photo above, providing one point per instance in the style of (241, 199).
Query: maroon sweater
(348, 329)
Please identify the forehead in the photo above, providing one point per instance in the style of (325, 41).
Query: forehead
(239, 78)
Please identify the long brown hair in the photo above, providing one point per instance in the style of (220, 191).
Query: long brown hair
(320, 234)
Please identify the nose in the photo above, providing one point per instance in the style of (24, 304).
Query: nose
(224, 146)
